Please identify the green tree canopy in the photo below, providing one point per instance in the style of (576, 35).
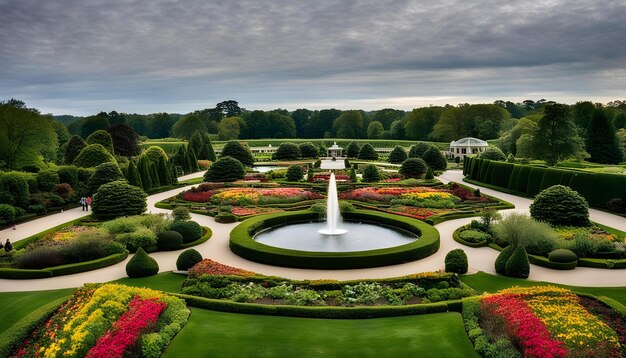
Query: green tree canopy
(116, 199)
(185, 127)
(352, 150)
(229, 128)
(419, 123)
(239, 151)
(308, 150)
(105, 173)
(371, 174)
(349, 125)
(103, 138)
(602, 142)
(418, 149)
(73, 148)
(287, 151)
(556, 137)
(375, 130)
(435, 159)
(125, 140)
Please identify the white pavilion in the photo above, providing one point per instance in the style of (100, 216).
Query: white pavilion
(469, 146)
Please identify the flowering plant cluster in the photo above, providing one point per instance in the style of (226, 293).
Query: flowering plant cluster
(413, 212)
(386, 194)
(107, 320)
(551, 322)
(210, 267)
(248, 211)
(250, 196)
(326, 177)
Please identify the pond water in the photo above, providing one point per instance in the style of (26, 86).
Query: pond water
(266, 168)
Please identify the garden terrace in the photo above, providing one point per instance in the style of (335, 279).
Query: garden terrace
(243, 244)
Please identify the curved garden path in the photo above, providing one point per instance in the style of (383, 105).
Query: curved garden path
(480, 259)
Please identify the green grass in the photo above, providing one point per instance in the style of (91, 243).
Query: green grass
(218, 334)
(484, 282)
(165, 281)
(16, 305)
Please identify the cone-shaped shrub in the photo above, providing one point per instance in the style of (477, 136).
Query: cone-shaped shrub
(413, 168)
(435, 159)
(367, 152)
(397, 155)
(517, 265)
(417, 150)
(169, 240)
(133, 176)
(103, 138)
(352, 150)
(371, 174)
(187, 259)
(141, 265)
(429, 174)
(117, 199)
(456, 261)
(502, 258)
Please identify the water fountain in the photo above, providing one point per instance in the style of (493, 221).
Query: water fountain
(333, 216)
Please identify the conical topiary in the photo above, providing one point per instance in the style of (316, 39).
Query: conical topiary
(517, 265)
(141, 265)
(503, 258)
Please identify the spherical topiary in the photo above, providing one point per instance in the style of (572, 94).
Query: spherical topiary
(397, 155)
(493, 153)
(141, 265)
(435, 159)
(190, 230)
(225, 169)
(502, 258)
(371, 173)
(294, 173)
(287, 151)
(103, 138)
(169, 240)
(117, 199)
(93, 155)
(105, 173)
(187, 259)
(517, 265)
(560, 206)
(308, 150)
(413, 168)
(456, 261)
(238, 151)
(367, 152)
(563, 256)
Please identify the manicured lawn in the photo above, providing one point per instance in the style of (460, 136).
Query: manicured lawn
(219, 334)
(15, 305)
(484, 282)
(165, 281)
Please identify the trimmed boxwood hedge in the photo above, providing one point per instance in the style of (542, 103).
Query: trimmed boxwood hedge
(457, 238)
(242, 244)
(22, 274)
(331, 312)
(206, 235)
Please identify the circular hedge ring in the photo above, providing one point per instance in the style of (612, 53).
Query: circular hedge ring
(243, 244)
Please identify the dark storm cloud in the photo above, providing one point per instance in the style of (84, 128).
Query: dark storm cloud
(159, 55)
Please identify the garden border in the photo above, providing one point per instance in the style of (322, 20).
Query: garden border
(242, 244)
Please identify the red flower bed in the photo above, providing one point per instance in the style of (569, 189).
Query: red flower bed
(198, 196)
(610, 316)
(141, 314)
(413, 212)
(210, 267)
(522, 324)
(326, 177)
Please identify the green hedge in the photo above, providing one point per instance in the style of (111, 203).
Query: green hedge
(602, 263)
(457, 238)
(544, 262)
(329, 312)
(204, 238)
(522, 179)
(501, 173)
(22, 274)
(534, 180)
(15, 335)
(242, 244)
(512, 184)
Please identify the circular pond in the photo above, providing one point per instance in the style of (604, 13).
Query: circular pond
(359, 236)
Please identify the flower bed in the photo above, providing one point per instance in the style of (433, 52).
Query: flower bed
(210, 267)
(249, 196)
(110, 320)
(549, 321)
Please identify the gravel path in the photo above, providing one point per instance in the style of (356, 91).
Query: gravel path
(480, 259)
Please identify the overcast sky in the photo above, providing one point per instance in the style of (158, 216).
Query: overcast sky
(84, 56)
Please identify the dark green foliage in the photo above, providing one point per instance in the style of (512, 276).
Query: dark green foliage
(103, 138)
(413, 168)
(550, 178)
(287, 151)
(522, 179)
(143, 167)
(484, 165)
(512, 184)
(456, 261)
(73, 148)
(7, 214)
(560, 205)
(14, 189)
(165, 172)
(294, 173)
(68, 174)
(181, 159)
(187, 259)
(239, 151)
(193, 160)
(196, 142)
(225, 169)
(125, 140)
(371, 174)
(308, 150)
(352, 175)
(397, 155)
(493, 153)
(105, 173)
(132, 176)
(352, 150)
(500, 173)
(181, 213)
(208, 149)
(367, 152)
(154, 175)
(518, 265)
(418, 149)
(47, 179)
(562, 255)
(602, 143)
(534, 180)
(556, 137)
(117, 199)
(92, 156)
(169, 240)
(510, 158)
(429, 174)
(435, 159)
(189, 230)
(141, 265)
(502, 258)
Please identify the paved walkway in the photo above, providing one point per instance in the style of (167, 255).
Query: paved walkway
(480, 259)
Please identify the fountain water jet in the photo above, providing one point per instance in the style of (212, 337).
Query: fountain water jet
(333, 216)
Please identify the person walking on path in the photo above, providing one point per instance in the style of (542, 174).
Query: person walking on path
(88, 202)
(83, 202)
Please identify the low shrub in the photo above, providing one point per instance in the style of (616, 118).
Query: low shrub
(560, 206)
(187, 259)
(456, 261)
(181, 213)
(7, 214)
(502, 259)
(169, 240)
(225, 218)
(140, 238)
(141, 265)
(518, 265)
(563, 256)
(474, 236)
(189, 230)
